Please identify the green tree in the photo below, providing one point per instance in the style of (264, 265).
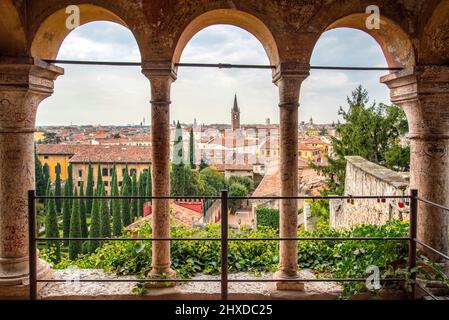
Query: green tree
(105, 215)
(58, 188)
(51, 228)
(89, 189)
(46, 173)
(134, 203)
(246, 181)
(47, 191)
(141, 192)
(83, 213)
(39, 177)
(371, 131)
(192, 159)
(75, 246)
(70, 180)
(204, 162)
(66, 213)
(214, 179)
(177, 177)
(237, 190)
(148, 186)
(125, 203)
(99, 180)
(95, 225)
(115, 206)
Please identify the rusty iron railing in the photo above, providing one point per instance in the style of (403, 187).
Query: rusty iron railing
(224, 239)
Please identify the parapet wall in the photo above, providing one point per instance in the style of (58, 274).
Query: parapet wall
(369, 179)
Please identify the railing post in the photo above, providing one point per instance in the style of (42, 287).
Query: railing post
(224, 245)
(412, 234)
(32, 244)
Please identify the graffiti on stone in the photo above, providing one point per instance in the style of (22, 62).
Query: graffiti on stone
(435, 150)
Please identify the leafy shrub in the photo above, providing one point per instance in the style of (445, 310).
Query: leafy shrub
(339, 259)
(267, 217)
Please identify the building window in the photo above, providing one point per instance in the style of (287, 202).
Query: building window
(132, 171)
(79, 183)
(106, 183)
(105, 172)
(80, 173)
(46, 157)
(120, 183)
(145, 170)
(111, 171)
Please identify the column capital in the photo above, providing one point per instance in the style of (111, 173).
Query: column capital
(159, 69)
(288, 77)
(24, 83)
(417, 82)
(423, 92)
(291, 70)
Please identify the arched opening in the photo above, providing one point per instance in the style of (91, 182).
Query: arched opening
(52, 32)
(394, 42)
(324, 91)
(231, 17)
(224, 44)
(93, 95)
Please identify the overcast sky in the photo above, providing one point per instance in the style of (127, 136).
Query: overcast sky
(120, 95)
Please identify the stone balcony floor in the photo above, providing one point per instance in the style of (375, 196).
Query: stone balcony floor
(188, 291)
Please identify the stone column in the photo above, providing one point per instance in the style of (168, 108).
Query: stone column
(288, 77)
(23, 85)
(423, 93)
(161, 76)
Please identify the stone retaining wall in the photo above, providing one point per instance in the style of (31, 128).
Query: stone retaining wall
(369, 179)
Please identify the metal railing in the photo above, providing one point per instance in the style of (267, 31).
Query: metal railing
(224, 239)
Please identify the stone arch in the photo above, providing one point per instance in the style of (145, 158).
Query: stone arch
(394, 42)
(233, 17)
(434, 48)
(12, 31)
(52, 32)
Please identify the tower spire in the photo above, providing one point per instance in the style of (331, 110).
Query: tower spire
(236, 105)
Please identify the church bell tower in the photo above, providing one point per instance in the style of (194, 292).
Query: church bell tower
(235, 113)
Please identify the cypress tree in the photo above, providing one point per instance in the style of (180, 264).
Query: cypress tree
(105, 215)
(95, 225)
(177, 179)
(126, 214)
(148, 186)
(115, 206)
(47, 192)
(51, 228)
(134, 193)
(46, 173)
(75, 247)
(39, 176)
(84, 228)
(70, 182)
(141, 193)
(58, 189)
(89, 189)
(99, 180)
(192, 150)
(66, 213)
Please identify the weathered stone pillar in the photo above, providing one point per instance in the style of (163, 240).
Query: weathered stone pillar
(161, 76)
(23, 85)
(288, 78)
(423, 93)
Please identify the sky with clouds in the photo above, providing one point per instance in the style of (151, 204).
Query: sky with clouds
(120, 95)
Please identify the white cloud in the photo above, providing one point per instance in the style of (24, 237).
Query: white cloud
(117, 95)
